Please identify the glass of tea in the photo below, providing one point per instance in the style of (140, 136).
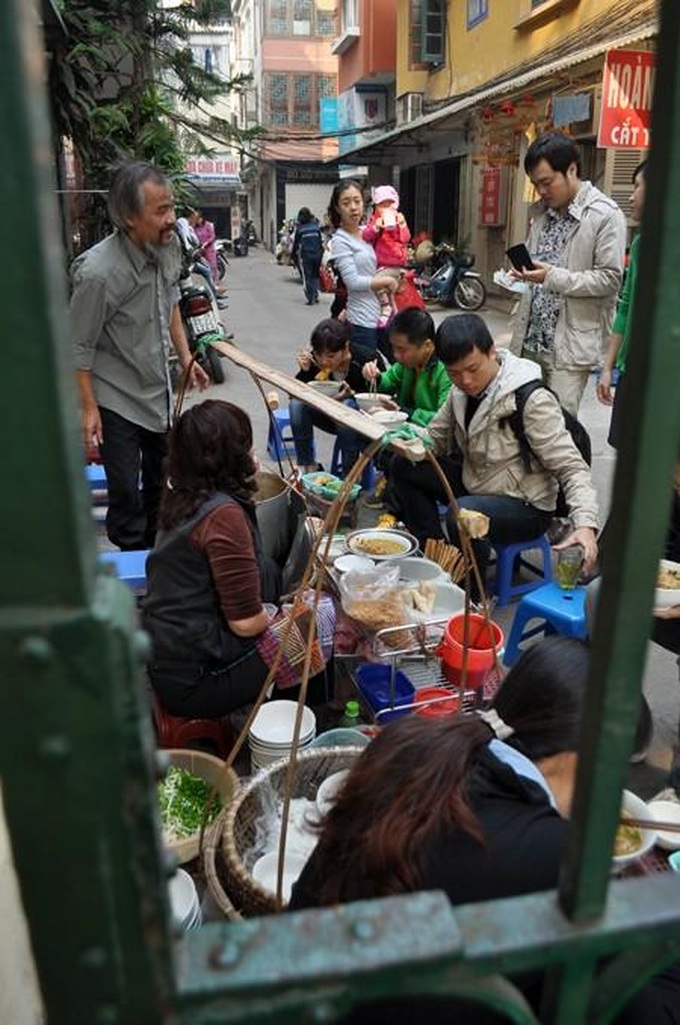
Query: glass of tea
(569, 563)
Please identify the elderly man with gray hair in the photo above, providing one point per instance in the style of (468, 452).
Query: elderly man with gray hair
(124, 315)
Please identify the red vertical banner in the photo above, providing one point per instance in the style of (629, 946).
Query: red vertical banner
(627, 92)
(490, 212)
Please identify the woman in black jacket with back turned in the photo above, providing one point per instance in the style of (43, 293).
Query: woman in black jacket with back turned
(474, 805)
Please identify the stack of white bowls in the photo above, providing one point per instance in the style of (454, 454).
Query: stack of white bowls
(271, 735)
(184, 902)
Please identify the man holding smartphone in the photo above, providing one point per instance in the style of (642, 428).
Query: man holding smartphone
(577, 244)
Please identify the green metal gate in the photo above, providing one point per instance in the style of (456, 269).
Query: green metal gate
(76, 751)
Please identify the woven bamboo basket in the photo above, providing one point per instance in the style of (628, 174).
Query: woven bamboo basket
(231, 883)
(211, 769)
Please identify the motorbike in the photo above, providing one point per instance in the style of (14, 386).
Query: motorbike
(251, 234)
(222, 258)
(453, 282)
(201, 321)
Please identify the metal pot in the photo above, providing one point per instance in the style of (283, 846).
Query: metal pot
(271, 511)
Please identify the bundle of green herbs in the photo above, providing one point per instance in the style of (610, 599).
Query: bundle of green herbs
(182, 798)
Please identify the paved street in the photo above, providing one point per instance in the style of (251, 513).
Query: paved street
(269, 318)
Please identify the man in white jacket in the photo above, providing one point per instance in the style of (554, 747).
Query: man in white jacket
(577, 244)
(481, 455)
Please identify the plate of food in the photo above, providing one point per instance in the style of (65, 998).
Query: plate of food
(327, 485)
(381, 544)
(667, 591)
(328, 388)
(632, 841)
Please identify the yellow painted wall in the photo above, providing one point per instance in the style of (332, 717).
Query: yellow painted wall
(493, 46)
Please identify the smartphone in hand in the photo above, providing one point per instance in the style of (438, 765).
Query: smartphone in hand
(519, 257)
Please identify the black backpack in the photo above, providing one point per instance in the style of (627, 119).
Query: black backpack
(578, 433)
(311, 242)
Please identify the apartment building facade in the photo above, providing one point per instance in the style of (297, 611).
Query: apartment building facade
(474, 82)
(286, 46)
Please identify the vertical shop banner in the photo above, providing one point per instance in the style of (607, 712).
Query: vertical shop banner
(627, 93)
(490, 213)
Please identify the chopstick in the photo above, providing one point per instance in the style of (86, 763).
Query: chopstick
(658, 827)
(447, 556)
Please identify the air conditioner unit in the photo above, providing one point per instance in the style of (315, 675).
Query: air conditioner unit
(409, 108)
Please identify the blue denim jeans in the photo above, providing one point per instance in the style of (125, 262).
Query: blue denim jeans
(303, 420)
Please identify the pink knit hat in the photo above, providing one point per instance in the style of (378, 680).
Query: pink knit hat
(384, 194)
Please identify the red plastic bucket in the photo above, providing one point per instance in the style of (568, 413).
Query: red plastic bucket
(484, 640)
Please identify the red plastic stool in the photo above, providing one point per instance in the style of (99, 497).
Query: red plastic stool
(173, 731)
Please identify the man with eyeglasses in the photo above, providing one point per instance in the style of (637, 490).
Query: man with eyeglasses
(577, 244)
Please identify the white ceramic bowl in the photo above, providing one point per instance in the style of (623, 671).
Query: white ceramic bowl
(665, 597)
(328, 790)
(274, 723)
(265, 871)
(666, 811)
(415, 569)
(329, 388)
(184, 900)
(347, 563)
(389, 417)
(635, 806)
(407, 543)
(366, 401)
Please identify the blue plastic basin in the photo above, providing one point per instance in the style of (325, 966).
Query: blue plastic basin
(374, 684)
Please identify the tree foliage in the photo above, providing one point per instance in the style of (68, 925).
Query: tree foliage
(116, 82)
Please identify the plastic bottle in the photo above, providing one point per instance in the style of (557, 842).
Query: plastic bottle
(350, 717)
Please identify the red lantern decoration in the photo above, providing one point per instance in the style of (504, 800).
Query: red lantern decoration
(488, 114)
(507, 108)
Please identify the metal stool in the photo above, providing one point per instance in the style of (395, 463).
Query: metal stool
(280, 444)
(173, 731)
(130, 567)
(560, 611)
(504, 589)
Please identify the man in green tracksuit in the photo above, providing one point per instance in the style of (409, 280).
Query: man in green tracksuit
(417, 380)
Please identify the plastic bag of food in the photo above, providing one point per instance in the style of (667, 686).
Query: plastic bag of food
(373, 598)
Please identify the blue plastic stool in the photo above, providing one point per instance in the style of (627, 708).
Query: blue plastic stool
(504, 589)
(95, 474)
(560, 611)
(130, 567)
(368, 477)
(280, 445)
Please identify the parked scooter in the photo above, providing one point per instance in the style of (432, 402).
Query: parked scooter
(250, 233)
(453, 283)
(201, 321)
(222, 258)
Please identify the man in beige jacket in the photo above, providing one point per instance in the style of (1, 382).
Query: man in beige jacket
(577, 244)
(481, 456)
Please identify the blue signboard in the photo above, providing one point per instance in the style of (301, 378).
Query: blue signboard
(328, 115)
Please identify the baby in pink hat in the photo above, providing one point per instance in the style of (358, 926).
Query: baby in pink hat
(387, 230)
(388, 233)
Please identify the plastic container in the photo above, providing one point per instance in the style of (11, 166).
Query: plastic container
(374, 684)
(435, 702)
(484, 641)
(350, 717)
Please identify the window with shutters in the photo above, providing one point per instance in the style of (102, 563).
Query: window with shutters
(433, 31)
(293, 100)
(298, 18)
(477, 10)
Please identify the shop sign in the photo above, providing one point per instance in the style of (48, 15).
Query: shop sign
(490, 214)
(222, 169)
(627, 93)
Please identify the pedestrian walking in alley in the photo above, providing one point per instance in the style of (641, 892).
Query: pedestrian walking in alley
(205, 233)
(307, 252)
(577, 244)
(124, 315)
(358, 266)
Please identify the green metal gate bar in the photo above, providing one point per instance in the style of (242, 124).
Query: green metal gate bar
(76, 751)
